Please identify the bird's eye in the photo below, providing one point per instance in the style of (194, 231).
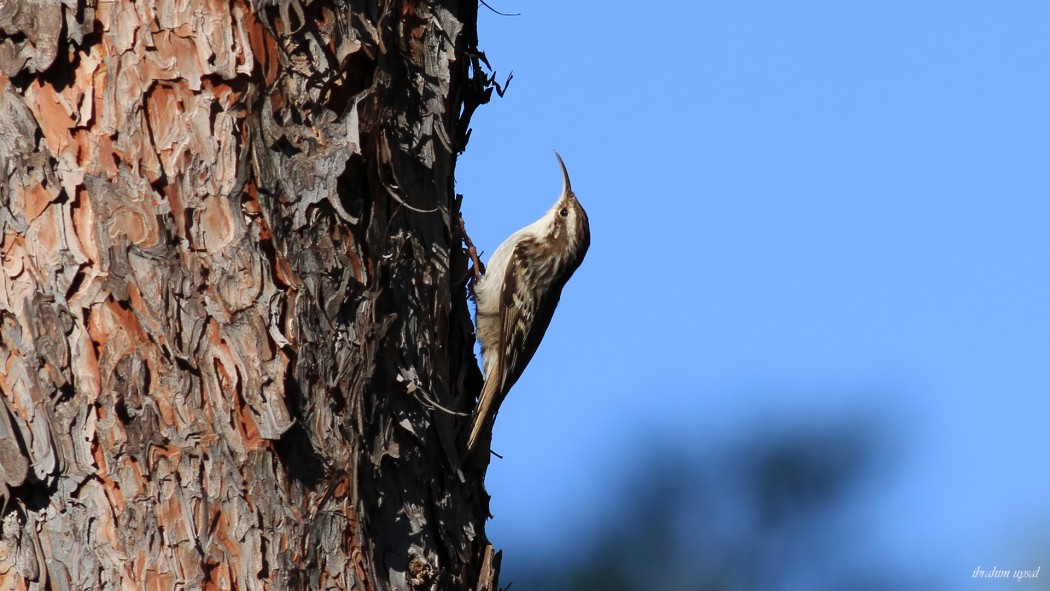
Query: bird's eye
(564, 213)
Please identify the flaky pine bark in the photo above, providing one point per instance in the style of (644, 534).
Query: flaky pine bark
(235, 348)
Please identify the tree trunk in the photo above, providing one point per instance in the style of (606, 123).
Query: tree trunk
(235, 348)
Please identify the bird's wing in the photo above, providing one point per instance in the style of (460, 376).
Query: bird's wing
(528, 297)
(527, 303)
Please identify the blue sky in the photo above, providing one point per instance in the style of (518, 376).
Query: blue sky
(800, 211)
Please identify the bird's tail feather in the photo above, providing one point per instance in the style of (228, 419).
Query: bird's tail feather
(481, 414)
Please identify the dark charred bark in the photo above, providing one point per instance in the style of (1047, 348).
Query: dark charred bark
(235, 348)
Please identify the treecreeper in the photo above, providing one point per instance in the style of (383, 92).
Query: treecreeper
(517, 295)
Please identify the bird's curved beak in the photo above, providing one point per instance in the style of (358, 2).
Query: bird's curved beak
(566, 188)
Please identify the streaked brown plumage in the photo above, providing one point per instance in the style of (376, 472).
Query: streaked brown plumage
(517, 296)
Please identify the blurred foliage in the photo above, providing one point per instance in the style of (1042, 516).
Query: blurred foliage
(781, 512)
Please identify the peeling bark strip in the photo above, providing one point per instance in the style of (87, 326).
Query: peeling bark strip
(232, 301)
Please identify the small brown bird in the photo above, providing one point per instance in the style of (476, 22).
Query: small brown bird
(518, 293)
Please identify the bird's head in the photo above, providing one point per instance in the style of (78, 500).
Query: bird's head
(568, 220)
